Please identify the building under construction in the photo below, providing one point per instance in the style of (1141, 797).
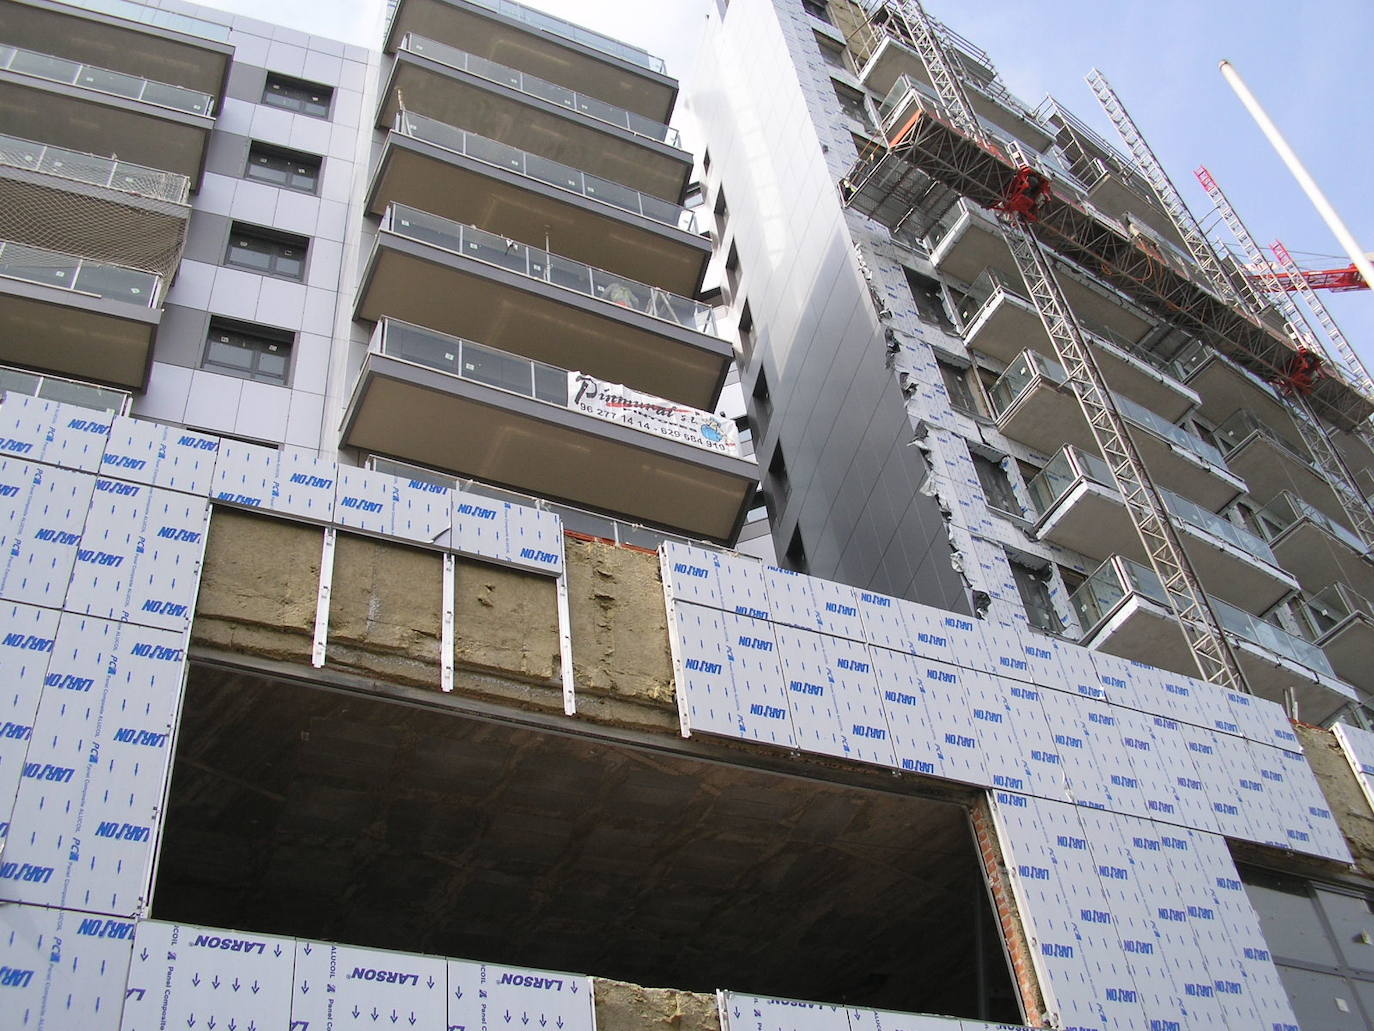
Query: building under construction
(375, 648)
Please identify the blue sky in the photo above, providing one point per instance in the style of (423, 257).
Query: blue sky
(1305, 61)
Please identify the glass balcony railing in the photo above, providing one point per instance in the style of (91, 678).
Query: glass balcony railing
(103, 80)
(1118, 578)
(536, 87)
(67, 391)
(552, 173)
(1242, 423)
(1031, 366)
(547, 268)
(1071, 466)
(94, 170)
(576, 33)
(146, 15)
(574, 391)
(1332, 606)
(79, 275)
(1287, 508)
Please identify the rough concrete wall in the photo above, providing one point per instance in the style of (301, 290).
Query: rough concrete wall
(628, 1007)
(1348, 804)
(261, 579)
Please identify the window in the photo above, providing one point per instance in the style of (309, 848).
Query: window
(930, 304)
(763, 403)
(746, 337)
(852, 102)
(831, 52)
(817, 9)
(249, 352)
(796, 553)
(1033, 586)
(285, 168)
(777, 475)
(307, 98)
(996, 484)
(722, 211)
(266, 251)
(732, 269)
(957, 386)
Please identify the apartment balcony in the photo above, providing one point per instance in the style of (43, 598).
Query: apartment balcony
(79, 203)
(1225, 387)
(98, 110)
(463, 176)
(543, 45)
(1080, 508)
(65, 391)
(136, 39)
(532, 114)
(1001, 322)
(1342, 623)
(894, 58)
(470, 283)
(439, 401)
(1318, 549)
(1124, 611)
(1271, 463)
(1034, 404)
(76, 316)
(966, 241)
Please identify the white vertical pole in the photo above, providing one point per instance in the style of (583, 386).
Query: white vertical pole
(1304, 178)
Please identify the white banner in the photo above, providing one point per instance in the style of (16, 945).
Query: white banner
(617, 403)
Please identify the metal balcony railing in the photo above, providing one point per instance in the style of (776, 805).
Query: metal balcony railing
(94, 170)
(103, 80)
(536, 87)
(562, 388)
(79, 275)
(546, 267)
(161, 19)
(574, 33)
(551, 173)
(67, 391)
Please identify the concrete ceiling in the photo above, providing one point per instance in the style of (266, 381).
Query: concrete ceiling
(319, 814)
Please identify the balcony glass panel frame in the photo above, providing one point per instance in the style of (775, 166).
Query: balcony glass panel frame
(1118, 578)
(1031, 367)
(107, 81)
(94, 170)
(534, 86)
(544, 266)
(83, 276)
(142, 13)
(544, 170)
(64, 390)
(1287, 508)
(516, 374)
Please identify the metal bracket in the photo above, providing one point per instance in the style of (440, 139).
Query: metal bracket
(446, 635)
(322, 600)
(565, 656)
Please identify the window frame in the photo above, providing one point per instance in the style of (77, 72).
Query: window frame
(283, 154)
(274, 237)
(298, 105)
(246, 334)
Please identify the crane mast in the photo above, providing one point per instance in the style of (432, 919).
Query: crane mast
(1206, 642)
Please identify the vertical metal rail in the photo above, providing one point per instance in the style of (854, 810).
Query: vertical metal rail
(1314, 435)
(1206, 642)
(1169, 199)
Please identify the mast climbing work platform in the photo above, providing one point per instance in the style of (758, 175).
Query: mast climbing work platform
(953, 148)
(945, 141)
